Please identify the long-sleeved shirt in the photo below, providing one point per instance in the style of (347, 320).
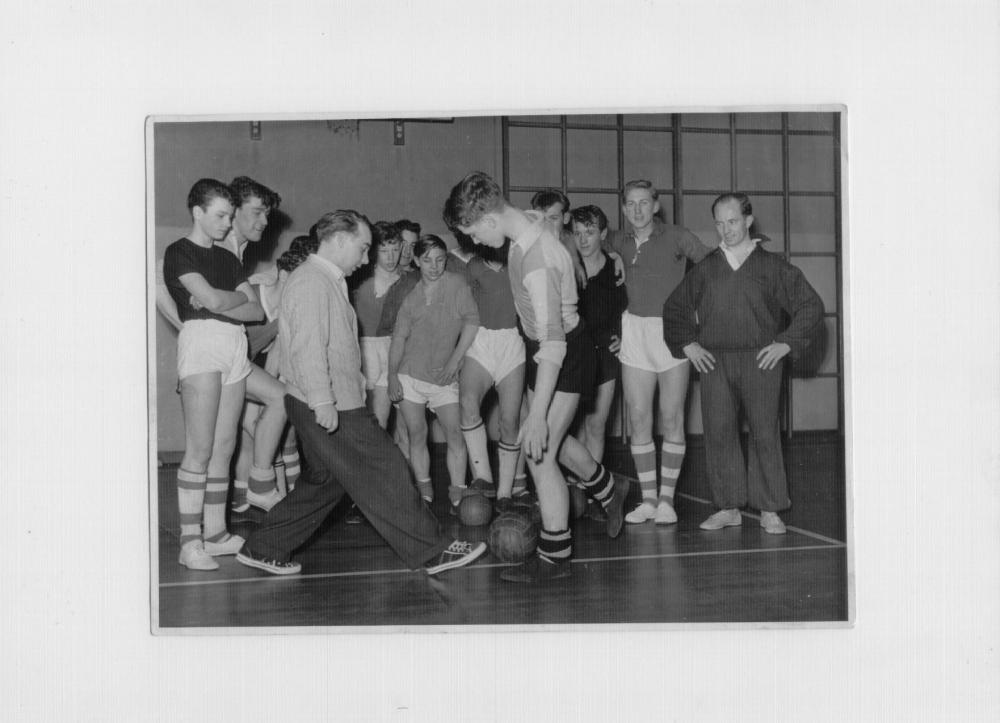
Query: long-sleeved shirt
(431, 324)
(655, 267)
(318, 337)
(741, 310)
(544, 289)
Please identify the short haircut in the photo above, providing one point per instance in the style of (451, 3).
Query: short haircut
(204, 190)
(546, 199)
(406, 224)
(472, 198)
(386, 232)
(333, 221)
(589, 216)
(643, 184)
(741, 198)
(427, 242)
(244, 188)
(298, 251)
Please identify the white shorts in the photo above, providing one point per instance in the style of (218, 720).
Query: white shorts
(498, 351)
(433, 395)
(643, 346)
(375, 360)
(207, 345)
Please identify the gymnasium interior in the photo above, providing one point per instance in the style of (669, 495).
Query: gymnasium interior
(790, 164)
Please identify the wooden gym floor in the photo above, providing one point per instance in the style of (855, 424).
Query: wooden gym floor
(649, 575)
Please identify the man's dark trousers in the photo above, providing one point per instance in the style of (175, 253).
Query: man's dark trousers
(359, 457)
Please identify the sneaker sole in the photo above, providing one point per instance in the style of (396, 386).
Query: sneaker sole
(477, 552)
(206, 568)
(224, 548)
(251, 562)
(772, 531)
(722, 526)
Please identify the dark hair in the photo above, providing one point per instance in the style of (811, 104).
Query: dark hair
(544, 199)
(427, 242)
(333, 221)
(472, 198)
(406, 224)
(386, 232)
(643, 184)
(741, 198)
(298, 251)
(589, 216)
(244, 188)
(204, 190)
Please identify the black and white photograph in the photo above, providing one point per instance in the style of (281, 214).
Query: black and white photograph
(578, 360)
(732, 503)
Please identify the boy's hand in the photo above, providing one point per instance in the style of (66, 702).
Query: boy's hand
(534, 437)
(619, 267)
(616, 344)
(395, 388)
(770, 355)
(700, 357)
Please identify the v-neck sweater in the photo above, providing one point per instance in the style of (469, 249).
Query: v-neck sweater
(742, 310)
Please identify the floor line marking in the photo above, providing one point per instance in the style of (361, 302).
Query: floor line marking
(575, 561)
(807, 533)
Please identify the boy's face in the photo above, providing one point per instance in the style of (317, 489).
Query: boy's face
(250, 219)
(588, 238)
(215, 219)
(555, 217)
(639, 208)
(388, 256)
(432, 264)
(406, 250)
(731, 225)
(486, 231)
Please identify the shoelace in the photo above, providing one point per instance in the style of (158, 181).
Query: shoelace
(460, 548)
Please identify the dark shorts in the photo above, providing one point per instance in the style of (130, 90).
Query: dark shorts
(579, 367)
(608, 366)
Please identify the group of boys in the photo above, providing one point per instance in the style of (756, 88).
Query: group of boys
(726, 315)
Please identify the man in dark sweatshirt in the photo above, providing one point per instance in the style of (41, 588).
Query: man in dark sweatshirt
(728, 317)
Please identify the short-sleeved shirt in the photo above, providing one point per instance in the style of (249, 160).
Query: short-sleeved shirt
(219, 268)
(654, 268)
(393, 299)
(368, 305)
(432, 326)
(491, 290)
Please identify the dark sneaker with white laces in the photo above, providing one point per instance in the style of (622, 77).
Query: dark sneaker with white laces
(275, 567)
(537, 570)
(458, 554)
(484, 487)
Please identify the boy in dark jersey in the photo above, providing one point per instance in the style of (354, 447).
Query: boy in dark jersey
(726, 317)
(213, 297)
(559, 366)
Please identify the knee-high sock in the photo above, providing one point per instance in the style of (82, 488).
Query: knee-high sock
(555, 545)
(507, 456)
(644, 457)
(190, 500)
(261, 479)
(479, 457)
(290, 454)
(216, 490)
(600, 486)
(672, 457)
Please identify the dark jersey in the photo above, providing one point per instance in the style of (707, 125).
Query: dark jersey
(218, 266)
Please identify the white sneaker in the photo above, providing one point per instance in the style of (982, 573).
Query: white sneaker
(665, 514)
(265, 501)
(194, 557)
(645, 511)
(229, 546)
(723, 518)
(771, 523)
